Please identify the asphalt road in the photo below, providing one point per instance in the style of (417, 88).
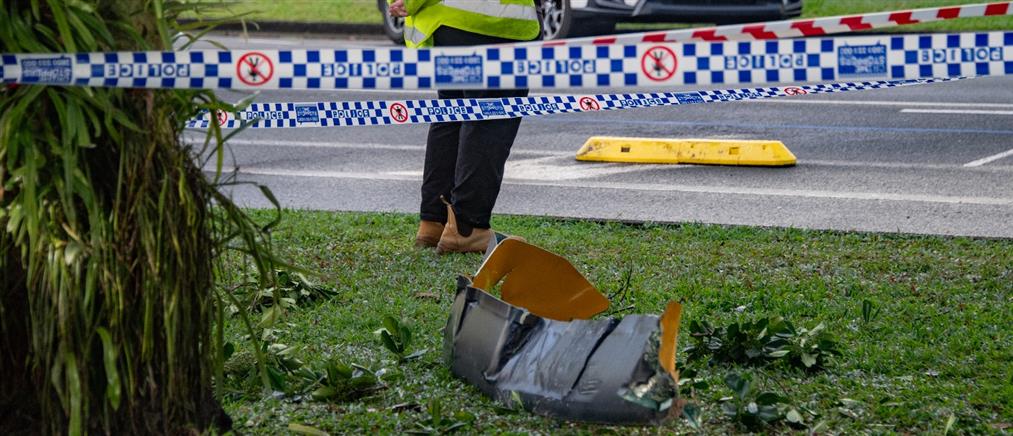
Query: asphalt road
(934, 159)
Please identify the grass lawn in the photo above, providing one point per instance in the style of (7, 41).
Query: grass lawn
(829, 8)
(336, 11)
(939, 350)
(364, 11)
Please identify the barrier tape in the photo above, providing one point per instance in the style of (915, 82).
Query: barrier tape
(375, 113)
(798, 27)
(562, 67)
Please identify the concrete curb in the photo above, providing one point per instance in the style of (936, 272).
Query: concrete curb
(322, 28)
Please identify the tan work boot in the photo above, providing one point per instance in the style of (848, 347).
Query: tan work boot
(429, 234)
(453, 242)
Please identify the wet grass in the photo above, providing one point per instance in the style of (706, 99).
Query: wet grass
(940, 347)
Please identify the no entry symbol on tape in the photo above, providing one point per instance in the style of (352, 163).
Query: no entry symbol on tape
(254, 69)
(222, 116)
(398, 112)
(659, 63)
(794, 90)
(589, 104)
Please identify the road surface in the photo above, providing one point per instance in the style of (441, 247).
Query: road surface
(934, 159)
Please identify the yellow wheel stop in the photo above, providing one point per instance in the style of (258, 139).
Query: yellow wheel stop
(686, 151)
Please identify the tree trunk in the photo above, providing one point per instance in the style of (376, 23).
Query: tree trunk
(107, 235)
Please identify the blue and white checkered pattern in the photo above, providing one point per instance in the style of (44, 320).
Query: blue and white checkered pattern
(372, 113)
(192, 69)
(556, 67)
(942, 55)
(827, 59)
(394, 68)
(563, 67)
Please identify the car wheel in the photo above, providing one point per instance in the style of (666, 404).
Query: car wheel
(392, 26)
(555, 17)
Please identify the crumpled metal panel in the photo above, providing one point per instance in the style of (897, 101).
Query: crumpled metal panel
(604, 370)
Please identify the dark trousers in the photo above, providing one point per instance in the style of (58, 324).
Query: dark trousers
(465, 159)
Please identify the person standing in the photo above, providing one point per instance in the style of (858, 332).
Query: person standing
(464, 160)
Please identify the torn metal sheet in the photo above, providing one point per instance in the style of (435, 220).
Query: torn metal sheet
(539, 344)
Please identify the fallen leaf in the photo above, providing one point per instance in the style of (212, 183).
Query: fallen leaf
(306, 430)
(402, 407)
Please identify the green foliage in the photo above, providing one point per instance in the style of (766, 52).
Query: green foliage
(343, 382)
(292, 289)
(282, 365)
(621, 300)
(332, 381)
(810, 349)
(111, 234)
(761, 342)
(305, 429)
(437, 421)
(691, 381)
(869, 312)
(396, 337)
(754, 410)
(692, 413)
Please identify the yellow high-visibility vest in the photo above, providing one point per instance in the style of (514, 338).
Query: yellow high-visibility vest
(510, 19)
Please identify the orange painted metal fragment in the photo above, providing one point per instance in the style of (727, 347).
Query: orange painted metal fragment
(545, 284)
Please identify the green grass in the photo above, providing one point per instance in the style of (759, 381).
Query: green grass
(364, 11)
(941, 346)
(326, 11)
(829, 8)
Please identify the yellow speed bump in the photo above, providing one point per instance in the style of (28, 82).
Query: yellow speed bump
(686, 151)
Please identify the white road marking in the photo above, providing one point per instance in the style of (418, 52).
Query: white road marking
(517, 151)
(326, 174)
(266, 41)
(732, 190)
(989, 159)
(652, 187)
(549, 169)
(354, 146)
(955, 112)
(885, 103)
(430, 92)
(897, 165)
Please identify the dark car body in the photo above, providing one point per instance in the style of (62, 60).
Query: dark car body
(716, 11)
(569, 18)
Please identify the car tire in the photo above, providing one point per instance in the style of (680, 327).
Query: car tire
(558, 21)
(393, 27)
(555, 19)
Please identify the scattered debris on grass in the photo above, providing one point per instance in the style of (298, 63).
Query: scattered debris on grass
(539, 343)
(292, 289)
(396, 337)
(437, 422)
(753, 410)
(343, 382)
(760, 342)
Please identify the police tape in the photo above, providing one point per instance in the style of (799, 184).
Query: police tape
(809, 27)
(377, 113)
(666, 65)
